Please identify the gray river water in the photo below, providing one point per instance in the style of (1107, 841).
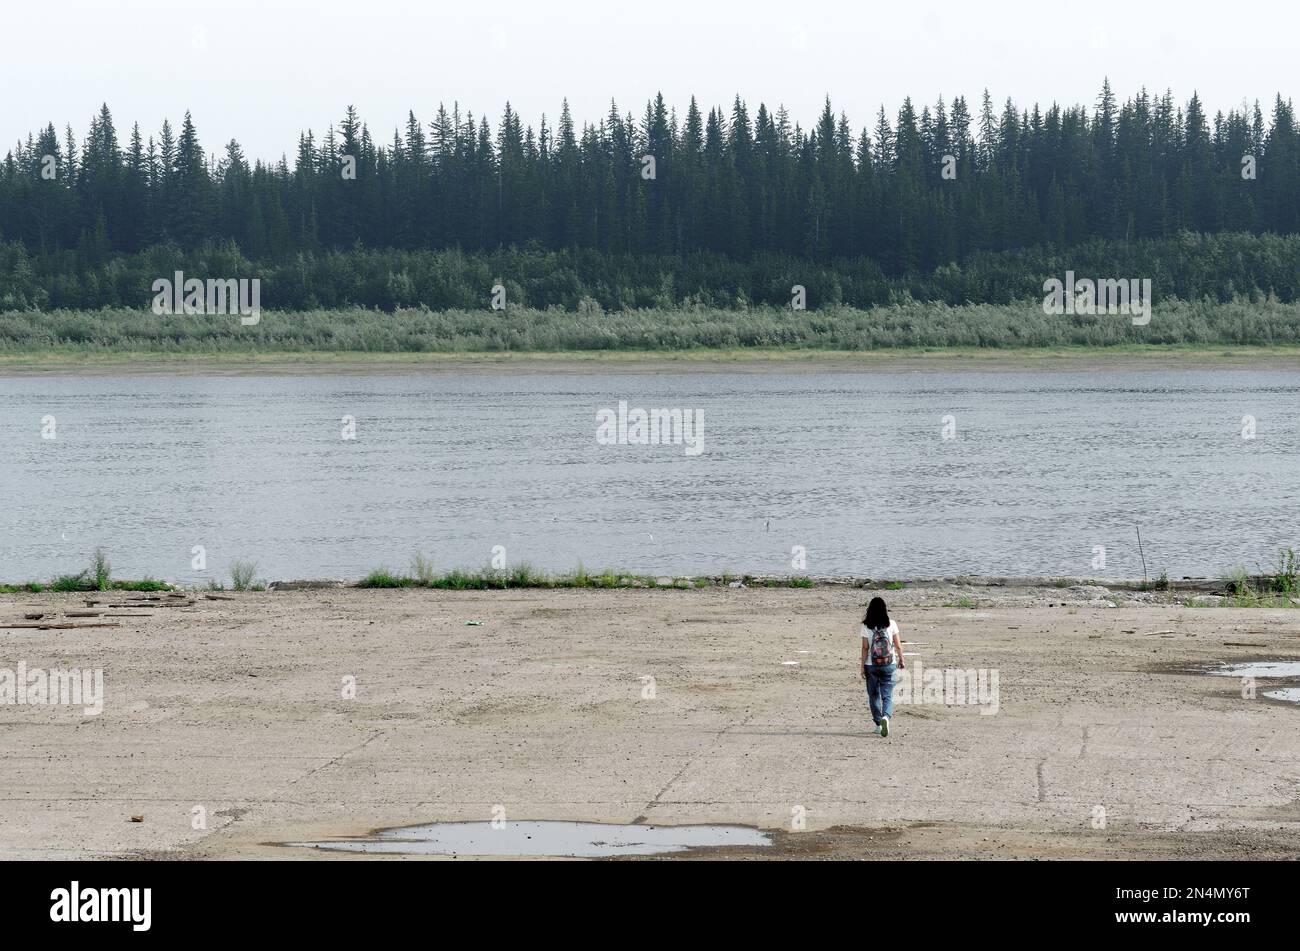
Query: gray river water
(1043, 470)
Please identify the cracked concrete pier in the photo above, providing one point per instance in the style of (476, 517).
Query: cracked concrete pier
(227, 727)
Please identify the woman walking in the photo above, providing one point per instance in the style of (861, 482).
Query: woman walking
(882, 654)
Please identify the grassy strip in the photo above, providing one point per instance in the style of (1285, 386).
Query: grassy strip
(1281, 589)
(99, 577)
(905, 325)
(80, 582)
(421, 575)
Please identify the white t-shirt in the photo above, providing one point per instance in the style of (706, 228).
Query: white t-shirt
(893, 629)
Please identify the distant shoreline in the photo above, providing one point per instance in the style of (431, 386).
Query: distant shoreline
(669, 582)
(750, 359)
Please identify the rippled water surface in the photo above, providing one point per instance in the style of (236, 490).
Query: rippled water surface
(1045, 467)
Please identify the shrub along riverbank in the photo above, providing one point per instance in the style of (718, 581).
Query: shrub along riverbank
(1174, 323)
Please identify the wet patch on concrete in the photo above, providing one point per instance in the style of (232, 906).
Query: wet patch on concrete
(1286, 670)
(544, 839)
(1267, 669)
(1289, 694)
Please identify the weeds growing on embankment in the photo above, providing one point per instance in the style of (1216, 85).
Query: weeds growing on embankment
(903, 325)
(1279, 588)
(1276, 590)
(422, 575)
(98, 577)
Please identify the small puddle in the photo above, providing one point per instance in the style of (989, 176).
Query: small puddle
(1268, 670)
(545, 838)
(1290, 694)
(1280, 668)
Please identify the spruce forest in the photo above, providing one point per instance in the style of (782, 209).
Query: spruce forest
(725, 208)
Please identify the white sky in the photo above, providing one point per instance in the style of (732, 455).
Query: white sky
(262, 70)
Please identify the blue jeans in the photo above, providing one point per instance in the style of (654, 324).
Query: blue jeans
(880, 691)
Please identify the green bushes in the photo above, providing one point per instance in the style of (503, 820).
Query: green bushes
(1229, 288)
(1160, 584)
(30, 587)
(422, 569)
(1276, 590)
(101, 570)
(383, 578)
(525, 576)
(423, 575)
(78, 582)
(241, 574)
(98, 577)
(1284, 579)
(144, 584)
(907, 324)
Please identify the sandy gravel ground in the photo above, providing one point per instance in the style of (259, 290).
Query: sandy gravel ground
(1106, 742)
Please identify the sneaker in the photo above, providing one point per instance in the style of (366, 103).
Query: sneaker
(884, 726)
(876, 731)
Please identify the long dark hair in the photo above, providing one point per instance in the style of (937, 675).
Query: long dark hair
(877, 615)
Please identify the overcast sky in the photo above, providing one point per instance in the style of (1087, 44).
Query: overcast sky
(262, 70)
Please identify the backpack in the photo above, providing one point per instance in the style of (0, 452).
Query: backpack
(882, 647)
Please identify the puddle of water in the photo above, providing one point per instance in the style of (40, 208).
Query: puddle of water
(1267, 670)
(1290, 694)
(575, 839)
(1288, 668)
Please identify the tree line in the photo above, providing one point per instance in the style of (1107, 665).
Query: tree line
(1215, 268)
(912, 195)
